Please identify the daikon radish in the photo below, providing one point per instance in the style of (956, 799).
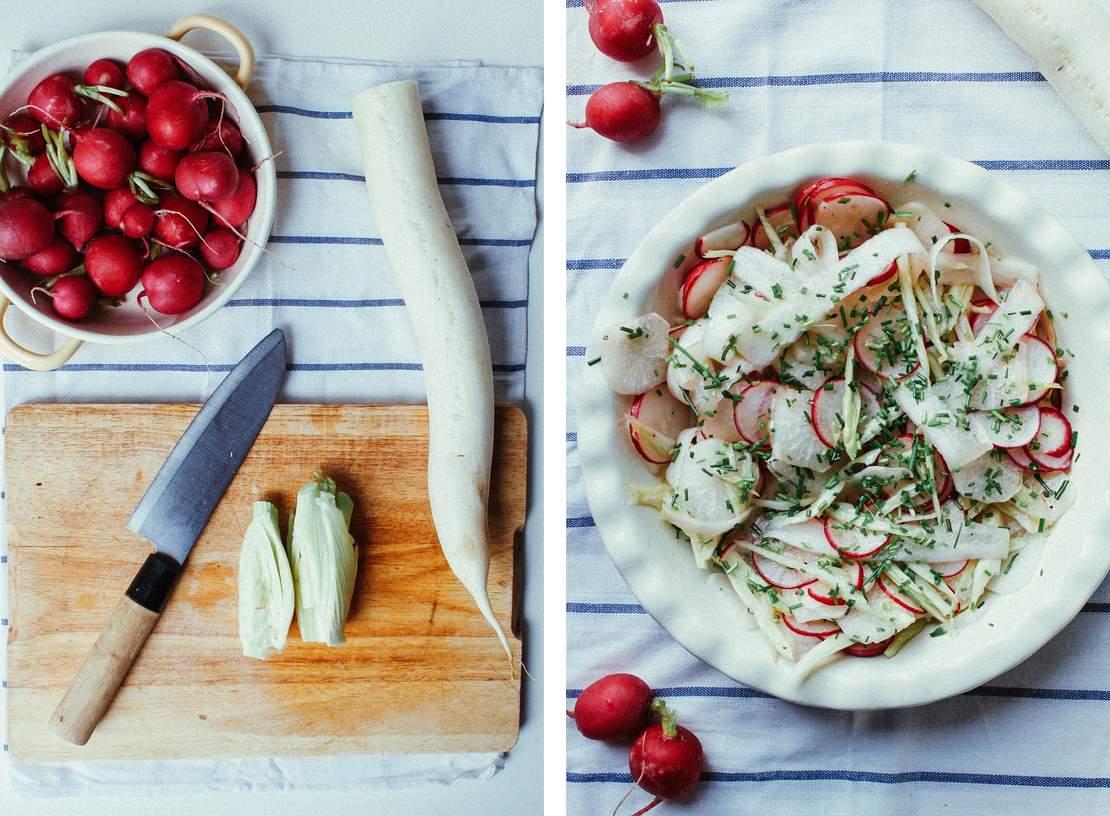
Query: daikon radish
(439, 292)
(1067, 41)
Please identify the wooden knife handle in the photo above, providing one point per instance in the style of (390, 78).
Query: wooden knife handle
(107, 663)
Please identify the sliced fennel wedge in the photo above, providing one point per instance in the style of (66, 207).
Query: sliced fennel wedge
(324, 560)
(265, 585)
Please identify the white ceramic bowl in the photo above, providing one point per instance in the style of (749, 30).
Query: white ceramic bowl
(698, 608)
(127, 323)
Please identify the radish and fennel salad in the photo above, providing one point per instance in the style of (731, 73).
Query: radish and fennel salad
(858, 414)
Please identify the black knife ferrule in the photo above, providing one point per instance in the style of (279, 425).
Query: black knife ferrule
(154, 581)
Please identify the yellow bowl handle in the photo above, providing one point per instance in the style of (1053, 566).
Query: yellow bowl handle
(30, 359)
(220, 26)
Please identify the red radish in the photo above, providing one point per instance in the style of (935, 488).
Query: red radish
(779, 576)
(817, 628)
(820, 593)
(961, 246)
(900, 453)
(22, 132)
(624, 29)
(54, 102)
(138, 222)
(181, 222)
(104, 158)
(116, 203)
(883, 277)
(1040, 365)
(950, 569)
(615, 708)
(752, 411)
(1016, 428)
(852, 542)
(42, 179)
(18, 192)
(655, 408)
(79, 217)
(868, 649)
(980, 319)
(132, 122)
(666, 760)
(728, 237)
(177, 114)
(220, 248)
(781, 220)
(73, 297)
(104, 72)
(57, 257)
(114, 264)
(173, 284)
(806, 198)
(826, 410)
(234, 210)
(26, 227)
(1053, 438)
(158, 161)
(222, 134)
(210, 175)
(700, 285)
(900, 598)
(1020, 457)
(149, 69)
(852, 218)
(884, 347)
(1048, 464)
(622, 111)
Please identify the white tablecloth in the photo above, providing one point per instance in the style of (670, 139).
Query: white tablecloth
(348, 332)
(932, 72)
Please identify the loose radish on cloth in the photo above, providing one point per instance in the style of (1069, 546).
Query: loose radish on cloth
(439, 292)
(1067, 41)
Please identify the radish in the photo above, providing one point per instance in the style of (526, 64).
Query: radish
(949, 569)
(615, 708)
(54, 259)
(779, 576)
(852, 542)
(114, 264)
(1053, 437)
(1045, 463)
(622, 111)
(116, 203)
(700, 285)
(234, 210)
(72, 297)
(158, 161)
(805, 194)
(220, 248)
(181, 222)
(222, 134)
(899, 452)
(883, 277)
(727, 238)
(1020, 457)
(26, 227)
(624, 29)
(781, 220)
(657, 410)
(752, 411)
(852, 218)
(43, 179)
(1040, 366)
(80, 216)
(826, 410)
(1010, 427)
(899, 597)
(54, 102)
(138, 222)
(23, 135)
(132, 121)
(960, 246)
(210, 175)
(150, 68)
(634, 354)
(817, 629)
(884, 346)
(177, 114)
(104, 158)
(868, 649)
(104, 72)
(173, 284)
(666, 760)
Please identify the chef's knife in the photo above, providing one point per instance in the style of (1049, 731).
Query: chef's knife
(171, 515)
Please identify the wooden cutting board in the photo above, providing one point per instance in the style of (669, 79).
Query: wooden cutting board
(420, 671)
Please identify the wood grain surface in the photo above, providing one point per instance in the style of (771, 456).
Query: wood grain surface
(420, 671)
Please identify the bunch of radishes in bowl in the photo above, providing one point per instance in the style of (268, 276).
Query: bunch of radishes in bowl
(134, 178)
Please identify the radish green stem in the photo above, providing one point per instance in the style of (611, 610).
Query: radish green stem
(101, 94)
(668, 717)
(5, 185)
(60, 161)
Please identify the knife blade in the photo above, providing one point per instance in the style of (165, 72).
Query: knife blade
(171, 515)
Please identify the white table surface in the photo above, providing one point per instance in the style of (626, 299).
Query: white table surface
(500, 32)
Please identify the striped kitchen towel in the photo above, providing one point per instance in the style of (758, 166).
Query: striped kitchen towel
(934, 72)
(333, 293)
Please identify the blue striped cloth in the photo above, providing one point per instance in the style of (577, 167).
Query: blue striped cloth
(936, 72)
(334, 294)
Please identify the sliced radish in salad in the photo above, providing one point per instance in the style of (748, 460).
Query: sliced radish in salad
(852, 542)
(779, 576)
(899, 597)
(1053, 437)
(700, 285)
(781, 220)
(851, 217)
(826, 411)
(658, 414)
(816, 628)
(634, 354)
(1040, 366)
(808, 195)
(1010, 427)
(961, 246)
(868, 649)
(752, 411)
(1020, 457)
(1046, 463)
(949, 569)
(883, 277)
(884, 346)
(729, 238)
